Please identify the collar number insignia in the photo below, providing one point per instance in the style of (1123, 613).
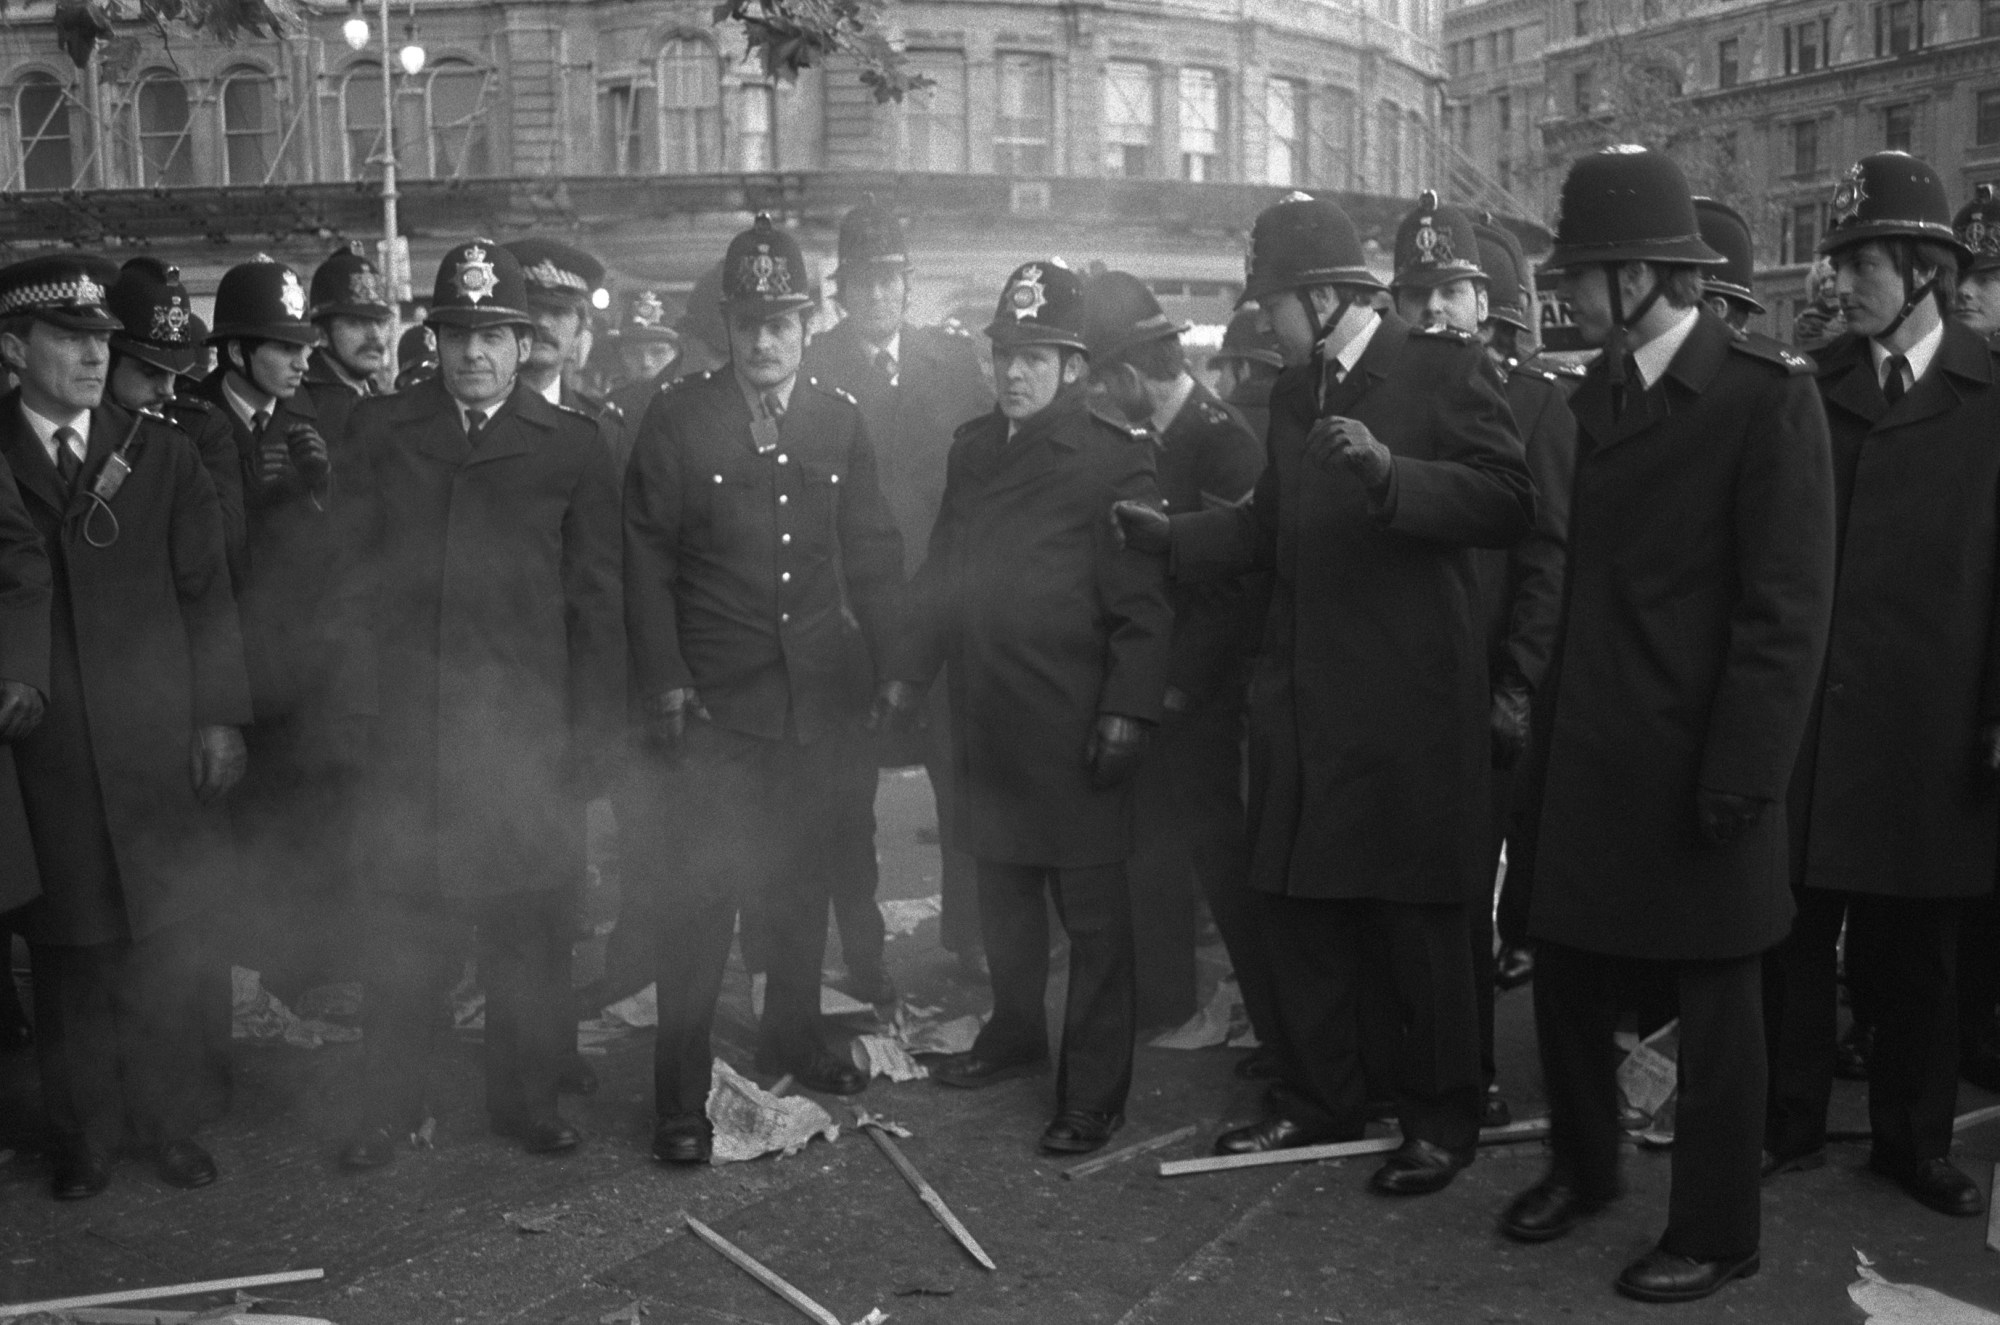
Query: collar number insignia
(1027, 298)
(476, 276)
(293, 296)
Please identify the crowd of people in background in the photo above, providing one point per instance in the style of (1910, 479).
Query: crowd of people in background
(313, 654)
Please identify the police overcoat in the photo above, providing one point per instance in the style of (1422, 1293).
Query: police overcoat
(26, 594)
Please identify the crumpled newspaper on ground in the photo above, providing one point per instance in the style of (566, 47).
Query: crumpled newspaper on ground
(258, 1015)
(1909, 1304)
(750, 1121)
(1222, 1021)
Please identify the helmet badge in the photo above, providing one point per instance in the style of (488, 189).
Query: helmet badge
(293, 296)
(766, 273)
(1853, 191)
(363, 287)
(88, 291)
(1027, 298)
(647, 310)
(170, 323)
(476, 277)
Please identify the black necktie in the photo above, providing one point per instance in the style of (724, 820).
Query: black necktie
(475, 422)
(1892, 385)
(886, 362)
(68, 466)
(258, 422)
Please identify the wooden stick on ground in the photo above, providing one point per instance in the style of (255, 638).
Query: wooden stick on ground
(925, 1192)
(763, 1274)
(1976, 1117)
(1530, 1130)
(1102, 1162)
(783, 1084)
(56, 1304)
(1993, 1213)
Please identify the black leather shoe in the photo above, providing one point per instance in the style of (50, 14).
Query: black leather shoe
(1776, 1166)
(578, 1077)
(1661, 1276)
(1936, 1183)
(1494, 1112)
(81, 1172)
(1513, 968)
(1080, 1131)
(1545, 1212)
(973, 1071)
(827, 1073)
(1850, 1056)
(370, 1148)
(871, 984)
(1275, 1133)
(551, 1136)
(683, 1141)
(1417, 1168)
(185, 1164)
(1261, 1064)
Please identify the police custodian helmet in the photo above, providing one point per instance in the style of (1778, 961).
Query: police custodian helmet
(479, 284)
(1724, 230)
(158, 321)
(1042, 303)
(1890, 195)
(1120, 311)
(1436, 245)
(1508, 298)
(1303, 241)
(1627, 204)
(1978, 227)
(764, 271)
(262, 300)
(347, 285)
(872, 236)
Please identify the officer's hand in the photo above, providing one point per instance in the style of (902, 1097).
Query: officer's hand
(1723, 815)
(20, 709)
(307, 450)
(1816, 326)
(218, 760)
(667, 718)
(1989, 749)
(1509, 721)
(1113, 749)
(274, 464)
(896, 706)
(1349, 444)
(1142, 528)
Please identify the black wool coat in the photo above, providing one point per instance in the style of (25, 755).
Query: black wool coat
(26, 595)
(1520, 589)
(1207, 456)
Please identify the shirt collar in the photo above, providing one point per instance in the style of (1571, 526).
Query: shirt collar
(752, 395)
(1357, 345)
(894, 345)
(244, 402)
(553, 391)
(1654, 357)
(45, 429)
(1919, 355)
(1163, 417)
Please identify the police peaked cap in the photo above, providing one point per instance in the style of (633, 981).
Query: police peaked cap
(262, 300)
(63, 289)
(557, 271)
(1508, 296)
(1120, 311)
(1436, 245)
(1249, 337)
(1042, 303)
(1978, 228)
(1627, 204)
(645, 321)
(764, 271)
(157, 322)
(479, 284)
(1724, 230)
(347, 284)
(1301, 242)
(1890, 195)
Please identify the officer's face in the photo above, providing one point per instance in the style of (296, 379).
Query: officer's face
(359, 344)
(1736, 315)
(874, 297)
(275, 367)
(478, 364)
(766, 350)
(1869, 287)
(1292, 320)
(1587, 291)
(1028, 376)
(1460, 305)
(1978, 303)
(558, 329)
(137, 385)
(1117, 388)
(647, 359)
(59, 369)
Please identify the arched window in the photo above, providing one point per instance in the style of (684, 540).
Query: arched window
(42, 121)
(161, 107)
(361, 114)
(690, 83)
(250, 129)
(455, 104)
(756, 126)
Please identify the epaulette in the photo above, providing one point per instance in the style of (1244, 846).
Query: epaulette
(613, 408)
(1516, 368)
(1214, 413)
(1121, 427)
(585, 415)
(1771, 351)
(833, 390)
(198, 404)
(1446, 333)
(951, 326)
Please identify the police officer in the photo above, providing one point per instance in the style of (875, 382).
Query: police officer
(1188, 800)
(650, 351)
(1247, 367)
(486, 582)
(1700, 543)
(1391, 456)
(25, 596)
(756, 540)
(416, 357)
(1978, 228)
(159, 344)
(1727, 287)
(561, 281)
(355, 322)
(1055, 641)
(121, 781)
(914, 385)
(1896, 801)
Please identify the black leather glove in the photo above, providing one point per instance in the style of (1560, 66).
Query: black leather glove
(1349, 444)
(1509, 720)
(1723, 815)
(896, 706)
(1989, 749)
(275, 471)
(1142, 528)
(1113, 750)
(21, 707)
(667, 718)
(307, 450)
(217, 760)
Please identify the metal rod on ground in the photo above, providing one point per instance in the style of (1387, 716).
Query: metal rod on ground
(783, 1084)
(1976, 1117)
(757, 1270)
(1530, 1130)
(12, 1310)
(925, 1192)
(1993, 1213)
(1102, 1162)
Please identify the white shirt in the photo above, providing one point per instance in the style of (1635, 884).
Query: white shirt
(894, 349)
(1919, 355)
(244, 402)
(1163, 417)
(1657, 355)
(1357, 345)
(553, 391)
(45, 433)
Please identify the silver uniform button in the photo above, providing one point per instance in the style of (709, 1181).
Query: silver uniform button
(786, 576)
(782, 498)
(784, 459)
(784, 617)
(718, 478)
(784, 538)
(834, 478)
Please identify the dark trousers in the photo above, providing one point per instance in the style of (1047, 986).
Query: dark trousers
(118, 1038)
(1094, 904)
(1979, 977)
(1901, 957)
(412, 953)
(741, 820)
(849, 857)
(958, 884)
(1712, 1210)
(1325, 953)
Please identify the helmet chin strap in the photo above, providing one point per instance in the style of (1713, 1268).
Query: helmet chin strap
(1616, 346)
(1913, 294)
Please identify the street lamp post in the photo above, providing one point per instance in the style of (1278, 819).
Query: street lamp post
(411, 57)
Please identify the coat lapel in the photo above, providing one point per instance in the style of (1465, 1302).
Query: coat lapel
(1961, 357)
(24, 454)
(1855, 387)
(513, 428)
(1373, 367)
